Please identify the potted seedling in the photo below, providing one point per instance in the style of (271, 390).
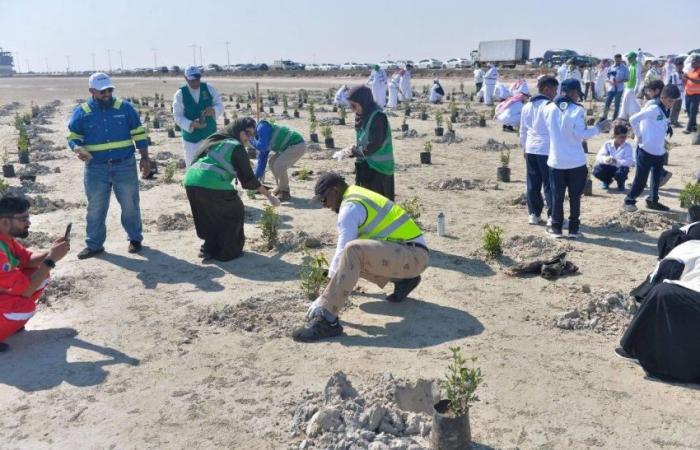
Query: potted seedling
(8, 170)
(272, 110)
(588, 187)
(23, 146)
(404, 125)
(343, 115)
(35, 110)
(312, 111)
(425, 154)
(503, 172)
(690, 200)
(493, 240)
(453, 111)
(177, 127)
(438, 122)
(156, 123)
(230, 97)
(313, 275)
(461, 88)
(451, 429)
(328, 136)
(312, 131)
(407, 110)
(269, 223)
(482, 120)
(424, 112)
(296, 113)
(335, 108)
(285, 104)
(450, 129)
(171, 132)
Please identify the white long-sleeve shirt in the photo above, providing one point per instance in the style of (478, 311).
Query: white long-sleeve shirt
(567, 130)
(179, 106)
(534, 137)
(350, 217)
(650, 125)
(624, 155)
(478, 76)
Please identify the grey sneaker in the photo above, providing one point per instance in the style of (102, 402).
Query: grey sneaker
(318, 328)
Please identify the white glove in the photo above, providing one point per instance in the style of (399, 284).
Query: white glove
(315, 309)
(339, 155)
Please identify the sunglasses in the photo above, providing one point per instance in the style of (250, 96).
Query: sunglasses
(106, 91)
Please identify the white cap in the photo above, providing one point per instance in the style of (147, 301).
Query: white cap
(100, 81)
(192, 72)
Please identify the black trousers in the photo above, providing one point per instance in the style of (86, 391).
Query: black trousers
(218, 219)
(369, 178)
(664, 334)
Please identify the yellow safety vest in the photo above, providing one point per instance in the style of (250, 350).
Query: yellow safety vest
(386, 221)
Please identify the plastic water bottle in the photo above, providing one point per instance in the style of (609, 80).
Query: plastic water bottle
(441, 224)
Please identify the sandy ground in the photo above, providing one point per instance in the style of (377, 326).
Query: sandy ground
(124, 356)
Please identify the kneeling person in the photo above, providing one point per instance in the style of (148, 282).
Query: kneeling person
(614, 159)
(23, 275)
(288, 147)
(377, 241)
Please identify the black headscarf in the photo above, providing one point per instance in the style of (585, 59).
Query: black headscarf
(363, 96)
(232, 131)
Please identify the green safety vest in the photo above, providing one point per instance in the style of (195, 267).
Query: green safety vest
(632, 80)
(282, 138)
(137, 134)
(213, 170)
(383, 159)
(386, 221)
(193, 111)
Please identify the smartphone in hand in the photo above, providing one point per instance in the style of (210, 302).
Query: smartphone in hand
(66, 236)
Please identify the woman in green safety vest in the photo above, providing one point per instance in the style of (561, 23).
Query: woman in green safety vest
(217, 210)
(374, 166)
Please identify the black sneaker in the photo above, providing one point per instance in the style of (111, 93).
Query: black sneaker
(656, 206)
(402, 288)
(88, 252)
(4, 347)
(621, 353)
(319, 328)
(135, 246)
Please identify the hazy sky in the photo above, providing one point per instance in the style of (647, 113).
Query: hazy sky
(42, 31)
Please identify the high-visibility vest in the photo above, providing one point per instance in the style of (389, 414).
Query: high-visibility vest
(193, 111)
(214, 170)
(386, 221)
(383, 159)
(137, 134)
(282, 137)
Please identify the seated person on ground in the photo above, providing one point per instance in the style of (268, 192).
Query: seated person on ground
(614, 159)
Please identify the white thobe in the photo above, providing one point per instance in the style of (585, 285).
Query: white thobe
(490, 80)
(378, 81)
(393, 92)
(405, 94)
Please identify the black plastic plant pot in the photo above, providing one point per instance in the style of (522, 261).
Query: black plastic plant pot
(503, 174)
(314, 137)
(482, 122)
(335, 109)
(24, 158)
(425, 158)
(407, 112)
(171, 133)
(177, 128)
(227, 121)
(424, 116)
(404, 127)
(439, 131)
(238, 106)
(449, 432)
(8, 171)
(453, 118)
(156, 124)
(154, 166)
(296, 114)
(588, 188)
(694, 214)
(590, 122)
(330, 143)
(272, 110)
(27, 177)
(252, 153)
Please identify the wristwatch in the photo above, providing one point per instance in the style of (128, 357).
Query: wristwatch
(50, 263)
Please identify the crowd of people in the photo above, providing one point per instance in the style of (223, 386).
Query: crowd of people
(377, 239)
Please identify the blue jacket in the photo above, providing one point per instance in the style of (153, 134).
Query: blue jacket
(107, 133)
(261, 142)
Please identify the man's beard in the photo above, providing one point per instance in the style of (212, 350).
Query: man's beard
(21, 233)
(104, 104)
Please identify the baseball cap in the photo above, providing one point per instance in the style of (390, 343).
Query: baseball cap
(100, 81)
(193, 72)
(325, 182)
(571, 85)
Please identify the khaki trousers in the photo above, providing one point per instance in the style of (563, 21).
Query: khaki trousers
(375, 261)
(281, 162)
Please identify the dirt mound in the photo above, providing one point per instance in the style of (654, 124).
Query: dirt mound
(6, 110)
(60, 288)
(494, 145)
(637, 222)
(37, 240)
(42, 205)
(529, 247)
(461, 184)
(34, 169)
(603, 311)
(274, 316)
(409, 134)
(448, 139)
(385, 413)
(174, 222)
(299, 240)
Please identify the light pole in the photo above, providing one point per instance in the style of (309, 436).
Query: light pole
(201, 58)
(228, 56)
(67, 64)
(93, 62)
(109, 59)
(121, 60)
(27, 61)
(155, 58)
(194, 58)
(46, 60)
(19, 69)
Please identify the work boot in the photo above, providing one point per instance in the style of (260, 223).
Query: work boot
(318, 328)
(135, 246)
(87, 252)
(402, 288)
(283, 196)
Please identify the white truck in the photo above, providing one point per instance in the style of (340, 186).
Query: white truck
(505, 53)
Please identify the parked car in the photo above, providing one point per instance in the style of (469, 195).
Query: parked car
(556, 57)
(351, 66)
(213, 68)
(535, 62)
(457, 63)
(388, 65)
(312, 67)
(286, 64)
(329, 67)
(430, 63)
(161, 69)
(175, 69)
